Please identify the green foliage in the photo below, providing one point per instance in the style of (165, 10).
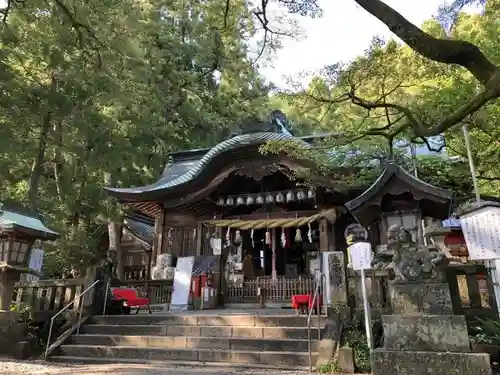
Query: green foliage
(332, 366)
(348, 101)
(98, 93)
(355, 338)
(487, 331)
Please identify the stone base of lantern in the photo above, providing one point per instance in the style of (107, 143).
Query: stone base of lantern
(423, 337)
(8, 279)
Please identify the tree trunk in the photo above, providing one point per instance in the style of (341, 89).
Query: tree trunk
(57, 158)
(37, 167)
(114, 233)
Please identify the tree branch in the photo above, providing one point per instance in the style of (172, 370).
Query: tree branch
(445, 51)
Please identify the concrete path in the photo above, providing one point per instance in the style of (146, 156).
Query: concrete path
(11, 367)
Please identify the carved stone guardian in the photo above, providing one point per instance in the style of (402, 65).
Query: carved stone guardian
(409, 261)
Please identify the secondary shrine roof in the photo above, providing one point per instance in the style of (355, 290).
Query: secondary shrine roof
(394, 180)
(30, 225)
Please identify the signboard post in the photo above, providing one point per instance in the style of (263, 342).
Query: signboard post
(481, 228)
(361, 258)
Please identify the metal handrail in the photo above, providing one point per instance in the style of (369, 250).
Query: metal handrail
(64, 309)
(315, 299)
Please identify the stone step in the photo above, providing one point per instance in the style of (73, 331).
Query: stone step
(296, 333)
(179, 342)
(117, 353)
(161, 365)
(208, 320)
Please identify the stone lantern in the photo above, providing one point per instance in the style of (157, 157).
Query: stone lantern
(18, 232)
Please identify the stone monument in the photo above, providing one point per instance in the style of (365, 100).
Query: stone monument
(422, 337)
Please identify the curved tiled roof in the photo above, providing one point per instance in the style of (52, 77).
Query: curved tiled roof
(141, 229)
(190, 170)
(440, 199)
(391, 170)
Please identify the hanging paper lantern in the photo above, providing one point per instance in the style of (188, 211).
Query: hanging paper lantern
(169, 237)
(301, 195)
(283, 238)
(221, 202)
(237, 238)
(298, 235)
(310, 194)
(240, 201)
(280, 198)
(259, 199)
(268, 238)
(290, 197)
(270, 198)
(309, 233)
(228, 236)
(250, 201)
(230, 201)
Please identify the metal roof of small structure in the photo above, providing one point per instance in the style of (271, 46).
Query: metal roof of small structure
(32, 226)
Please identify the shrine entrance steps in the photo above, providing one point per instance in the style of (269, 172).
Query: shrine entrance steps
(217, 337)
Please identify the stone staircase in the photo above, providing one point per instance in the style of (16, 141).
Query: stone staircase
(253, 340)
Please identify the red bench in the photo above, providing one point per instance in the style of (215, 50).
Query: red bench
(131, 297)
(301, 302)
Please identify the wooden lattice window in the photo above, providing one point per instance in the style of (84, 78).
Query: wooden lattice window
(409, 220)
(181, 242)
(189, 242)
(206, 235)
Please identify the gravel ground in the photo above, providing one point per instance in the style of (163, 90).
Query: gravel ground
(8, 367)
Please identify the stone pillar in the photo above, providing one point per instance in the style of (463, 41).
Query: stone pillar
(336, 288)
(8, 279)
(423, 337)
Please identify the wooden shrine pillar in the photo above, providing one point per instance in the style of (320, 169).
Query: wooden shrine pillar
(199, 238)
(273, 259)
(326, 235)
(159, 235)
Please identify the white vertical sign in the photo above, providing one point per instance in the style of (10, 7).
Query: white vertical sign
(35, 263)
(326, 272)
(361, 256)
(182, 284)
(481, 229)
(361, 259)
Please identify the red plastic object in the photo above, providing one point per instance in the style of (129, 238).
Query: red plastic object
(204, 281)
(299, 300)
(131, 296)
(195, 286)
(318, 299)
